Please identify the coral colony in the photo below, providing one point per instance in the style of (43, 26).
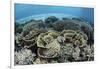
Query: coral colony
(53, 40)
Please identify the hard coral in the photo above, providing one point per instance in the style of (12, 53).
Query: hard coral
(52, 50)
(46, 38)
(51, 19)
(40, 61)
(76, 37)
(32, 25)
(60, 25)
(24, 56)
(48, 45)
(53, 40)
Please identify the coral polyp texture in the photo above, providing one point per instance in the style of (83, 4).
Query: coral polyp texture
(53, 40)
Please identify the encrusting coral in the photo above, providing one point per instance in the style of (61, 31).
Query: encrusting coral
(53, 40)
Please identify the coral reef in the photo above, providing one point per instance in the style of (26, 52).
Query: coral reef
(32, 25)
(53, 40)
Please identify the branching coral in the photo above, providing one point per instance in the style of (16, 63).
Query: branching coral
(24, 56)
(88, 52)
(76, 53)
(66, 52)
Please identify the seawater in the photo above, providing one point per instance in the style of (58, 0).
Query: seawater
(24, 12)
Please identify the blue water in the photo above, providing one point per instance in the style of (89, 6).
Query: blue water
(25, 10)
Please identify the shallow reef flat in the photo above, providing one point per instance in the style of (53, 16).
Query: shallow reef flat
(53, 40)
